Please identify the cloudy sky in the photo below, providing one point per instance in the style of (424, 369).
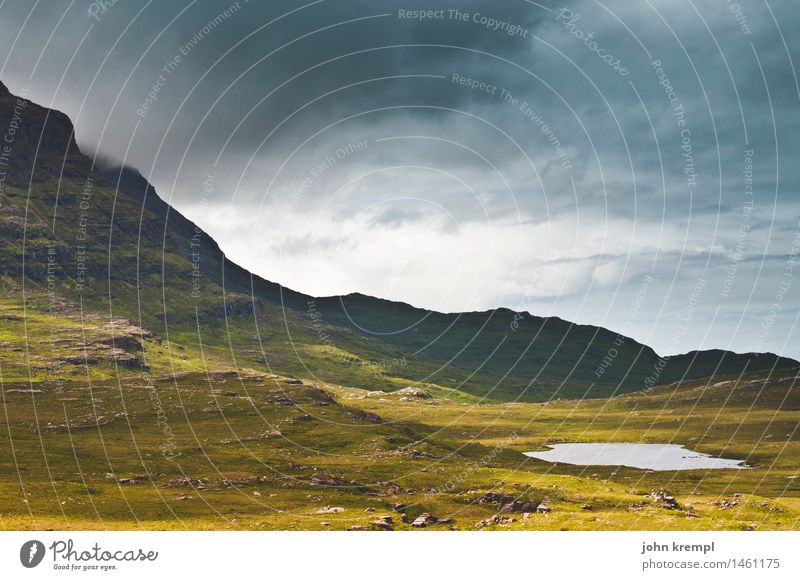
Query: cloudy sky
(625, 164)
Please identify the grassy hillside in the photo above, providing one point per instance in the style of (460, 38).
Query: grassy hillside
(75, 238)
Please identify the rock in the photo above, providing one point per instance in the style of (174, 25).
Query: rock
(293, 381)
(356, 529)
(413, 392)
(518, 506)
(370, 510)
(275, 433)
(497, 498)
(495, 520)
(383, 522)
(586, 507)
(665, 501)
(543, 509)
(181, 481)
(398, 507)
(390, 490)
(726, 504)
(330, 480)
(280, 399)
(136, 479)
(415, 453)
(424, 520)
(372, 417)
(329, 510)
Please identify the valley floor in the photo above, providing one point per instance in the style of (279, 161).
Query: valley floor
(254, 451)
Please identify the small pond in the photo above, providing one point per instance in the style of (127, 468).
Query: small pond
(654, 456)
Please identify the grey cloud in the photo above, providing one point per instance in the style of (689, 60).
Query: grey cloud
(583, 124)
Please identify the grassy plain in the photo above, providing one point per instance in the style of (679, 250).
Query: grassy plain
(188, 443)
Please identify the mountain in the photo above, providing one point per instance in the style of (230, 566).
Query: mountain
(100, 241)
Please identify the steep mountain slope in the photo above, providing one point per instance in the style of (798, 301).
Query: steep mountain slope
(103, 242)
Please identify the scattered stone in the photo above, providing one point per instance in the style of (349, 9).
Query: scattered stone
(424, 520)
(519, 507)
(416, 453)
(280, 399)
(665, 501)
(293, 381)
(183, 481)
(497, 498)
(390, 490)
(495, 520)
(329, 510)
(413, 392)
(372, 417)
(543, 509)
(370, 510)
(586, 507)
(507, 502)
(383, 522)
(356, 529)
(328, 480)
(726, 504)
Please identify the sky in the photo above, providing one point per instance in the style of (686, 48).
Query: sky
(631, 165)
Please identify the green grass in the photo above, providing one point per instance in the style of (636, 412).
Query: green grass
(63, 470)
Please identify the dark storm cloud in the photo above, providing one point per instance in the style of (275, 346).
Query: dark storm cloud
(339, 118)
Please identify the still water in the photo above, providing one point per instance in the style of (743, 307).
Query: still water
(658, 457)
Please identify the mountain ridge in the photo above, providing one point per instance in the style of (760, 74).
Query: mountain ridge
(499, 351)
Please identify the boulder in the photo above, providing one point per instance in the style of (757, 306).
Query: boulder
(664, 500)
(413, 392)
(424, 520)
(383, 522)
(329, 510)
